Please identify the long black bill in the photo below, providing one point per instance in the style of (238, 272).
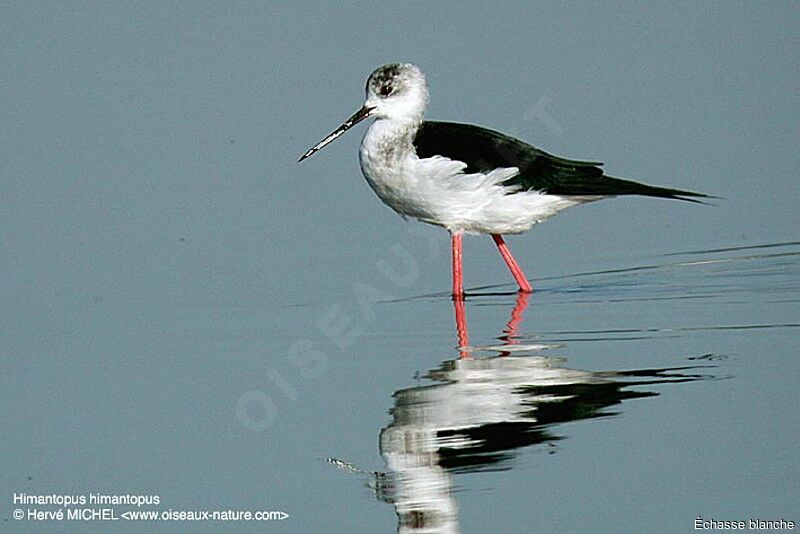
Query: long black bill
(357, 117)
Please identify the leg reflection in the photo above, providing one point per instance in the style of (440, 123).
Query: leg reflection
(510, 332)
(461, 328)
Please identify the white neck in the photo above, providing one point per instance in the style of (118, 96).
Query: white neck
(389, 140)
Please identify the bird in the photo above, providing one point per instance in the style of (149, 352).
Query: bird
(465, 178)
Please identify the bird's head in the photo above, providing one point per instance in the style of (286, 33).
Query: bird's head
(396, 92)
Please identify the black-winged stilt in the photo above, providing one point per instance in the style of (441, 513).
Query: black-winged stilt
(468, 179)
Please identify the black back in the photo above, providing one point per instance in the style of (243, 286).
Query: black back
(483, 150)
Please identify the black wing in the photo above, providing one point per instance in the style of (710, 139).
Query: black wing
(483, 150)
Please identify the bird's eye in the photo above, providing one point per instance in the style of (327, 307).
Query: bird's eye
(386, 90)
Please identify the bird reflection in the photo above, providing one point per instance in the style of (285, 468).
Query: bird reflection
(478, 412)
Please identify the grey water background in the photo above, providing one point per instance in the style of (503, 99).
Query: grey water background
(187, 312)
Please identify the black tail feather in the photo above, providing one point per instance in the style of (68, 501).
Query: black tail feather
(610, 186)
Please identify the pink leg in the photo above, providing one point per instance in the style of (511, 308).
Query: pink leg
(458, 273)
(513, 266)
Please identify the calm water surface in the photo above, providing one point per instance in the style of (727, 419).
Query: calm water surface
(633, 398)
